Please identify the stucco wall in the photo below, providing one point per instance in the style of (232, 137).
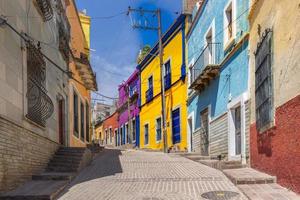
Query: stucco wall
(233, 78)
(175, 96)
(276, 150)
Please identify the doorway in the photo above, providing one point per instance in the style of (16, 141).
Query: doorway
(61, 121)
(204, 140)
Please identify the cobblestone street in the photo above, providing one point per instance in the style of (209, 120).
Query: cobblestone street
(131, 174)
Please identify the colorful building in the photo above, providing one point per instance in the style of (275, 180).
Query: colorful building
(151, 133)
(128, 108)
(218, 95)
(85, 21)
(110, 128)
(81, 85)
(275, 90)
(99, 133)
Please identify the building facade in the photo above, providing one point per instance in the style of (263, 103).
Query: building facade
(218, 95)
(128, 109)
(275, 72)
(82, 82)
(99, 133)
(33, 82)
(110, 128)
(151, 133)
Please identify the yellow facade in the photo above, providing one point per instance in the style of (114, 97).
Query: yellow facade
(86, 27)
(176, 96)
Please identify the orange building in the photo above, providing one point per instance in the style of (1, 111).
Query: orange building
(81, 85)
(110, 128)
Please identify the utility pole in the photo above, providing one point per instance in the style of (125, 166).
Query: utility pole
(161, 63)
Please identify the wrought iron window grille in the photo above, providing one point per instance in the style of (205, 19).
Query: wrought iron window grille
(263, 82)
(64, 39)
(39, 105)
(45, 9)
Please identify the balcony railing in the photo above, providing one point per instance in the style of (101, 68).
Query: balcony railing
(206, 66)
(149, 94)
(167, 81)
(45, 9)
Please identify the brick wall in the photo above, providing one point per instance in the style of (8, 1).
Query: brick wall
(22, 153)
(277, 151)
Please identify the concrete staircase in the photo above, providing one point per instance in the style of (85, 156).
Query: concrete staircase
(61, 169)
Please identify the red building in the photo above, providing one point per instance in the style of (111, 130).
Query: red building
(110, 128)
(275, 90)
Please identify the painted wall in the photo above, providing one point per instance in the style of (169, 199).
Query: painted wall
(78, 42)
(111, 122)
(276, 151)
(233, 78)
(85, 21)
(133, 81)
(175, 96)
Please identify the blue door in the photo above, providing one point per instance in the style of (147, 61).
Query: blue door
(176, 126)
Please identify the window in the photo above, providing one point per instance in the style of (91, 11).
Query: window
(133, 130)
(167, 76)
(263, 82)
(110, 136)
(82, 117)
(150, 82)
(87, 125)
(228, 22)
(106, 136)
(127, 133)
(39, 105)
(158, 129)
(146, 139)
(176, 126)
(149, 92)
(76, 118)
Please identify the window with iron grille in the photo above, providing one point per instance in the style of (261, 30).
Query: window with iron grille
(45, 9)
(82, 128)
(39, 104)
(87, 113)
(75, 108)
(263, 82)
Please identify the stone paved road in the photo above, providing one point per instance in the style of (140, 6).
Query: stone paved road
(142, 175)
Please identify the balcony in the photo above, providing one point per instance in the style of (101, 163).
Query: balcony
(168, 81)
(206, 66)
(44, 8)
(149, 95)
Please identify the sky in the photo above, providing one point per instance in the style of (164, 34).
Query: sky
(115, 44)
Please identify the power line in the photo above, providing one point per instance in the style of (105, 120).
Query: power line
(75, 17)
(107, 97)
(25, 37)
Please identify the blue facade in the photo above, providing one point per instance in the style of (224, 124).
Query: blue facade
(232, 80)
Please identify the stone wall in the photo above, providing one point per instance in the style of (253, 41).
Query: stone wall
(22, 153)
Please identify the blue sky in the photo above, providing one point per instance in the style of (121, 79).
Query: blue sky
(115, 43)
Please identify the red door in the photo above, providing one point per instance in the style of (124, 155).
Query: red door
(61, 121)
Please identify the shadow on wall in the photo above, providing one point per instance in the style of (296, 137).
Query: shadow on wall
(105, 164)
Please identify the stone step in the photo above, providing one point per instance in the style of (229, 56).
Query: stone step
(63, 161)
(69, 154)
(36, 190)
(71, 150)
(271, 191)
(66, 158)
(58, 176)
(66, 164)
(248, 176)
(61, 169)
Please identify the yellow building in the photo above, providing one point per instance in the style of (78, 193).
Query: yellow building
(151, 134)
(99, 132)
(81, 85)
(86, 27)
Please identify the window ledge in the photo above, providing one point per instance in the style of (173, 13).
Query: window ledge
(229, 44)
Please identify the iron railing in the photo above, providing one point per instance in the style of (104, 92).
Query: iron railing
(210, 55)
(39, 104)
(45, 8)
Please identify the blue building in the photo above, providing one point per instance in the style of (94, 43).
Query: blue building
(218, 69)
